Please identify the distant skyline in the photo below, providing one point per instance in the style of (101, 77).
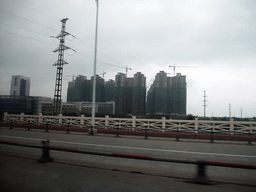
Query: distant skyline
(217, 37)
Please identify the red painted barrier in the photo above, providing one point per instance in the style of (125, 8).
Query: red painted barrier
(131, 156)
(8, 142)
(201, 177)
(234, 165)
(150, 132)
(64, 149)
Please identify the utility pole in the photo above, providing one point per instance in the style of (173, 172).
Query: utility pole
(204, 101)
(58, 85)
(229, 108)
(241, 112)
(94, 71)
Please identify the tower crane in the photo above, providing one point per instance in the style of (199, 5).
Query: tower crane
(102, 74)
(174, 66)
(126, 68)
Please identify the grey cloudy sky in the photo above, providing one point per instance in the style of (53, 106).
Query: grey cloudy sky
(217, 37)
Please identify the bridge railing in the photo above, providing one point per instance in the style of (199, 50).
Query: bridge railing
(184, 133)
(163, 124)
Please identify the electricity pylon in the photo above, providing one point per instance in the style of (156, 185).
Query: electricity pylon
(59, 63)
(204, 103)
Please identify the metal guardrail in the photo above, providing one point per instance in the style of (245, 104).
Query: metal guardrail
(145, 132)
(201, 176)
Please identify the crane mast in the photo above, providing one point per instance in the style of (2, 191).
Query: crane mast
(174, 67)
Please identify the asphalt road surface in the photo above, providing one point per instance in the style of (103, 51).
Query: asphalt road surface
(236, 152)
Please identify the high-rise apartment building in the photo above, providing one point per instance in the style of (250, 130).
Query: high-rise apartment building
(177, 94)
(119, 96)
(80, 89)
(130, 94)
(139, 94)
(20, 85)
(167, 94)
(71, 91)
(109, 90)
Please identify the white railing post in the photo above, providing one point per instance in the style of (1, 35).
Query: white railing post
(163, 123)
(82, 120)
(22, 117)
(231, 126)
(106, 121)
(133, 122)
(5, 116)
(60, 119)
(196, 125)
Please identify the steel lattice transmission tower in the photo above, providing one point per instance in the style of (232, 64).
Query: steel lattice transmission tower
(204, 103)
(58, 85)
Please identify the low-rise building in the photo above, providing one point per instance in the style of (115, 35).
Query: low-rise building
(21, 104)
(80, 108)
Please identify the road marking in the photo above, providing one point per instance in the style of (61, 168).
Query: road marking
(137, 148)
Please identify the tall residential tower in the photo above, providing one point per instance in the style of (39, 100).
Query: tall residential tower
(167, 95)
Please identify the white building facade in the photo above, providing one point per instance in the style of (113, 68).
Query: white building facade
(20, 85)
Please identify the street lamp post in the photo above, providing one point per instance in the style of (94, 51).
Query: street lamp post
(94, 73)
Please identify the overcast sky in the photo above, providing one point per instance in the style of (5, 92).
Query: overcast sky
(213, 42)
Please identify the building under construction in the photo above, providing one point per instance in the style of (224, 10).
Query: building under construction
(167, 95)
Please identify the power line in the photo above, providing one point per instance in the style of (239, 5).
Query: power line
(27, 19)
(24, 29)
(83, 34)
(54, 29)
(101, 52)
(40, 7)
(98, 61)
(57, 30)
(26, 37)
(81, 52)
